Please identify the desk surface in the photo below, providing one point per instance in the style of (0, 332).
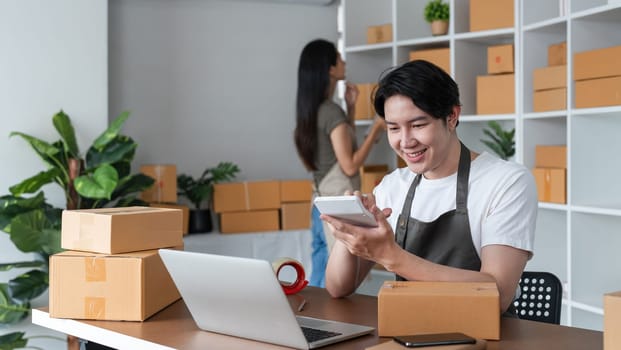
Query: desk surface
(173, 328)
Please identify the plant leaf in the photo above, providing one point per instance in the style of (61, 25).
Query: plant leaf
(29, 285)
(34, 183)
(27, 230)
(63, 125)
(21, 264)
(100, 185)
(41, 147)
(112, 131)
(11, 341)
(120, 148)
(11, 312)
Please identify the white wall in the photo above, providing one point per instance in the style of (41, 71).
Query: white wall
(210, 81)
(53, 55)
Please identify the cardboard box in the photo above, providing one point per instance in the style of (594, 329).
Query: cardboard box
(440, 57)
(121, 230)
(411, 307)
(599, 63)
(364, 107)
(248, 195)
(612, 321)
(500, 59)
(296, 191)
(371, 176)
(550, 100)
(122, 287)
(551, 156)
(249, 221)
(598, 92)
(295, 216)
(496, 94)
(185, 214)
(164, 190)
(491, 14)
(379, 34)
(546, 78)
(551, 184)
(557, 54)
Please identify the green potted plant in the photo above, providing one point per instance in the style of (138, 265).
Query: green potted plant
(500, 141)
(200, 192)
(99, 179)
(437, 14)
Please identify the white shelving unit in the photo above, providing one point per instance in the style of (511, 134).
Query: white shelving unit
(577, 241)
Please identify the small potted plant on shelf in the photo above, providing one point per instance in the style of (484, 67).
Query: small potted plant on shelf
(437, 14)
(200, 191)
(501, 142)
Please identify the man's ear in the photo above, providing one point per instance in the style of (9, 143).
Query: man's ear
(453, 119)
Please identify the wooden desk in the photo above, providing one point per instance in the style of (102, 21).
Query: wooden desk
(173, 328)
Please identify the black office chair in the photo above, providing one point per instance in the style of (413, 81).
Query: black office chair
(541, 297)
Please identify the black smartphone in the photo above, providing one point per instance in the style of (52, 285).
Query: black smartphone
(420, 340)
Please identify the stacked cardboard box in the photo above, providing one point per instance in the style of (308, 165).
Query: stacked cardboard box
(364, 106)
(441, 57)
(550, 82)
(550, 173)
(295, 208)
(597, 76)
(496, 91)
(163, 193)
(112, 269)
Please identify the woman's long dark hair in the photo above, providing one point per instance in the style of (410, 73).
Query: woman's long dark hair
(313, 82)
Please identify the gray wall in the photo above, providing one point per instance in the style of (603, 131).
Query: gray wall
(211, 81)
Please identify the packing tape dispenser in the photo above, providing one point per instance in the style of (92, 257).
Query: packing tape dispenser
(300, 280)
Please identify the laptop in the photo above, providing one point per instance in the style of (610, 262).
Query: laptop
(242, 297)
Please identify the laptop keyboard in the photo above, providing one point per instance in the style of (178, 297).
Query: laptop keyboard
(313, 334)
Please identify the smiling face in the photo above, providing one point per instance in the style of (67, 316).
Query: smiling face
(428, 145)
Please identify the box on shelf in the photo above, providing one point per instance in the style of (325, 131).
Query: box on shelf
(551, 184)
(598, 92)
(491, 14)
(295, 216)
(411, 307)
(553, 77)
(500, 59)
(249, 221)
(121, 287)
(441, 57)
(164, 190)
(185, 214)
(247, 195)
(598, 63)
(496, 94)
(364, 107)
(121, 230)
(557, 54)
(371, 175)
(550, 100)
(379, 34)
(296, 191)
(612, 321)
(551, 156)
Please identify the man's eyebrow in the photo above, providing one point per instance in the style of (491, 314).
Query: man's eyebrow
(413, 120)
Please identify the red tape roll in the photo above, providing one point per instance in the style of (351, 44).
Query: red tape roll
(300, 281)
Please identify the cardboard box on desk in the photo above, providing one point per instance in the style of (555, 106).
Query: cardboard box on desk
(121, 287)
(296, 191)
(249, 221)
(185, 213)
(551, 184)
(612, 321)
(164, 190)
(247, 195)
(411, 307)
(295, 216)
(121, 230)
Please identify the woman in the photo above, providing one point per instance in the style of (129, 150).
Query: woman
(325, 136)
(451, 214)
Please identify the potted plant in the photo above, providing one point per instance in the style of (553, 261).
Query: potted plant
(100, 179)
(200, 192)
(437, 14)
(500, 141)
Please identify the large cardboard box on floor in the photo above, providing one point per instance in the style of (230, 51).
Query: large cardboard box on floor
(247, 195)
(598, 63)
(379, 34)
(249, 221)
(551, 156)
(612, 321)
(598, 92)
(164, 190)
(121, 287)
(496, 94)
(296, 191)
(295, 216)
(551, 184)
(500, 59)
(185, 213)
(121, 230)
(412, 307)
(440, 57)
(491, 14)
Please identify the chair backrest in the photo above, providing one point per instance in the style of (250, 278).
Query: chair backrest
(541, 297)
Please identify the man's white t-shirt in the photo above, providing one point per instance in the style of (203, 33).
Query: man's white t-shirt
(502, 201)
